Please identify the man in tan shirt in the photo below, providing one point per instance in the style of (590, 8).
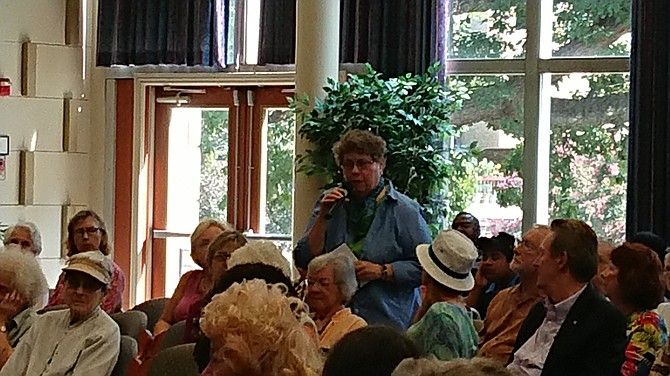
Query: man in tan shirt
(511, 306)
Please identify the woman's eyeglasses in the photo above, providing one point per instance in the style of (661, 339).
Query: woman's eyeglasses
(87, 230)
(362, 164)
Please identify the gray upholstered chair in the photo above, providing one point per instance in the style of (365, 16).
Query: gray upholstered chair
(131, 323)
(174, 336)
(175, 361)
(153, 309)
(126, 355)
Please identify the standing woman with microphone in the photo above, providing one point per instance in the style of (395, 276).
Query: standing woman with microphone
(380, 225)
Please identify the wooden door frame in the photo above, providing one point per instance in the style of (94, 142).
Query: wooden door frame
(133, 144)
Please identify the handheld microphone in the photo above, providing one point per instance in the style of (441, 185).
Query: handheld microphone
(337, 203)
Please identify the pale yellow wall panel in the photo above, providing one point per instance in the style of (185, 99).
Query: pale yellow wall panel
(60, 178)
(46, 218)
(58, 72)
(10, 65)
(41, 21)
(76, 127)
(9, 188)
(52, 269)
(32, 123)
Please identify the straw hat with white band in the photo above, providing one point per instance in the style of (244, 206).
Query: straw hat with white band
(449, 260)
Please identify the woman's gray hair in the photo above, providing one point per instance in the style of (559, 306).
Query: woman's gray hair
(344, 272)
(35, 235)
(433, 367)
(29, 281)
(359, 141)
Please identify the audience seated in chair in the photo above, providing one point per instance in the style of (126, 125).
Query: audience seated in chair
(256, 330)
(331, 283)
(574, 331)
(22, 284)
(194, 285)
(510, 307)
(369, 351)
(81, 340)
(494, 273)
(86, 231)
(256, 260)
(443, 325)
(218, 254)
(634, 283)
(458, 367)
(26, 235)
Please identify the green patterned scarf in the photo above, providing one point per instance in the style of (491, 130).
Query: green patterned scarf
(360, 214)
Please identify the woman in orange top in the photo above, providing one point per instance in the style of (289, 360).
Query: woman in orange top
(331, 280)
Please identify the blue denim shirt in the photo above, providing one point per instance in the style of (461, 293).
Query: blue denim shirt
(396, 230)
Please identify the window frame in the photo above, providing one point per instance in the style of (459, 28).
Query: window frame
(537, 67)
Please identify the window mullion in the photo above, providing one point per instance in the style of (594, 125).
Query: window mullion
(537, 106)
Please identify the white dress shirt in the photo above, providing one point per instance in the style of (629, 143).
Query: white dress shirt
(529, 358)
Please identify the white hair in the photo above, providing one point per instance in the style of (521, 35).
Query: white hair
(257, 330)
(457, 367)
(29, 281)
(344, 272)
(35, 235)
(260, 252)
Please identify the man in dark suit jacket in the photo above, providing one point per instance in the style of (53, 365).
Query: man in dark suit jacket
(575, 331)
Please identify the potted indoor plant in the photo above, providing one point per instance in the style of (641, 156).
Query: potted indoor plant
(412, 114)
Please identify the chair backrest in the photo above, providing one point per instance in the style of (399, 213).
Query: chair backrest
(131, 323)
(127, 353)
(174, 336)
(175, 361)
(153, 309)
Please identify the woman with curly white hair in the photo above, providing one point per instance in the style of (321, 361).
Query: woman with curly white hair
(458, 367)
(256, 330)
(331, 281)
(22, 284)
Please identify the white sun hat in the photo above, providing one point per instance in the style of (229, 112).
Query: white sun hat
(449, 260)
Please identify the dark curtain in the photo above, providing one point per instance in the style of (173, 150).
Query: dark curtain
(182, 32)
(277, 34)
(649, 144)
(394, 36)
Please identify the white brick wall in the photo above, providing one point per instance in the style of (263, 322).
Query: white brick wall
(58, 146)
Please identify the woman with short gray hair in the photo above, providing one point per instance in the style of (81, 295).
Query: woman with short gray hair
(331, 280)
(26, 235)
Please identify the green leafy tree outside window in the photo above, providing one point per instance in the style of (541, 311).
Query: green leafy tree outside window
(589, 130)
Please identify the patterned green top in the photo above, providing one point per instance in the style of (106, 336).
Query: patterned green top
(446, 331)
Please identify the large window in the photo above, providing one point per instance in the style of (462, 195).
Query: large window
(548, 107)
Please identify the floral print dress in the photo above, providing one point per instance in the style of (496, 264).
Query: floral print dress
(646, 336)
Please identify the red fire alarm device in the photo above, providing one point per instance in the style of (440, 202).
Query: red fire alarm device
(5, 86)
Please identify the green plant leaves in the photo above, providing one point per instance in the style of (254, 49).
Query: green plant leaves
(412, 114)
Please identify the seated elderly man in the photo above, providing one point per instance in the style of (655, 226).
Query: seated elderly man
(22, 283)
(79, 341)
(331, 281)
(26, 235)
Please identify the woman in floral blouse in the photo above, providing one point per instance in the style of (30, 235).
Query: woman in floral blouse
(634, 283)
